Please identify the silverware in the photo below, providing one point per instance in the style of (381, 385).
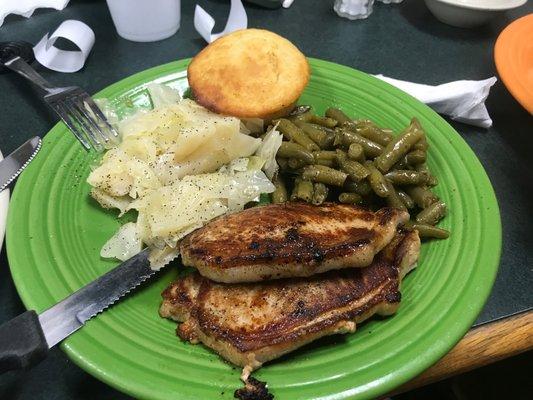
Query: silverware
(74, 106)
(14, 163)
(27, 338)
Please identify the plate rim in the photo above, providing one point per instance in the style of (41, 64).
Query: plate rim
(4, 210)
(401, 376)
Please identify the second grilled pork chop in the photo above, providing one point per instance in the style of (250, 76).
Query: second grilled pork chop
(289, 240)
(251, 323)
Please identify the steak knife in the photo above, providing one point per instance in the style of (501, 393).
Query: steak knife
(26, 339)
(14, 164)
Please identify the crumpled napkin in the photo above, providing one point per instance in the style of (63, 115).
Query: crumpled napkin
(27, 7)
(204, 23)
(462, 101)
(62, 60)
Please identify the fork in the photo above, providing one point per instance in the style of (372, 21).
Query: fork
(74, 106)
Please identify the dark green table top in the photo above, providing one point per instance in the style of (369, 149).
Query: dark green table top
(402, 41)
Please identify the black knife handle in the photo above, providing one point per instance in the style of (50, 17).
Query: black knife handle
(22, 342)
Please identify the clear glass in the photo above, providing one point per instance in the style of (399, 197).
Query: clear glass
(353, 9)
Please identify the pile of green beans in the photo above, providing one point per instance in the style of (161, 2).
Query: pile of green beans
(354, 161)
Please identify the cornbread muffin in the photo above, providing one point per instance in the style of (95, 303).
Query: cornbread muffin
(250, 73)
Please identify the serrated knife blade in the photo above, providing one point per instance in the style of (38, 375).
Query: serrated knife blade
(70, 314)
(14, 163)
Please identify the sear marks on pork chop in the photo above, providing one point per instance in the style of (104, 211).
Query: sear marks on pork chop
(289, 240)
(251, 323)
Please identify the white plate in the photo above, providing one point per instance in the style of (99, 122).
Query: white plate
(4, 204)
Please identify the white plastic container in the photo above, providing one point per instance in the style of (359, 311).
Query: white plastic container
(145, 20)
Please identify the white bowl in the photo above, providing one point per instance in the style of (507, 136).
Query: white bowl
(469, 13)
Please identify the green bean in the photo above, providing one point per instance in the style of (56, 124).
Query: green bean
(377, 181)
(326, 162)
(422, 144)
(432, 180)
(355, 170)
(317, 119)
(329, 131)
(337, 114)
(407, 177)
(323, 174)
(320, 193)
(402, 164)
(346, 137)
(432, 213)
(279, 195)
(356, 152)
(371, 131)
(296, 164)
(303, 190)
(423, 167)
(362, 188)
(294, 193)
(325, 155)
(295, 134)
(350, 198)
(421, 196)
(397, 148)
(393, 200)
(406, 199)
(428, 231)
(295, 150)
(317, 135)
(415, 157)
(298, 110)
(282, 162)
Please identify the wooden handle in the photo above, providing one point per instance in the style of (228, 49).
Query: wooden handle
(481, 346)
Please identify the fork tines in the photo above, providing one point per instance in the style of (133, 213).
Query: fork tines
(83, 117)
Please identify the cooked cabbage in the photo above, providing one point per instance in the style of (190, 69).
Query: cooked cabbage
(179, 165)
(162, 95)
(170, 212)
(107, 201)
(124, 244)
(252, 125)
(268, 150)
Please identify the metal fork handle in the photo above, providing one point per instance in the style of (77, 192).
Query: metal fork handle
(22, 68)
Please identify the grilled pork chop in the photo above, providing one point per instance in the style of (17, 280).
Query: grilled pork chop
(251, 323)
(289, 240)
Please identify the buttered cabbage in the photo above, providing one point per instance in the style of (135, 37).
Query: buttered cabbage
(178, 165)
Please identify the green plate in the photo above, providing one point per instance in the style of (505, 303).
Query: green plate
(55, 232)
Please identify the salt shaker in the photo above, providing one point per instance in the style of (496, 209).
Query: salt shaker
(353, 9)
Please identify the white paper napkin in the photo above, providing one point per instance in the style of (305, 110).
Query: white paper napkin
(27, 7)
(204, 23)
(62, 60)
(462, 101)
